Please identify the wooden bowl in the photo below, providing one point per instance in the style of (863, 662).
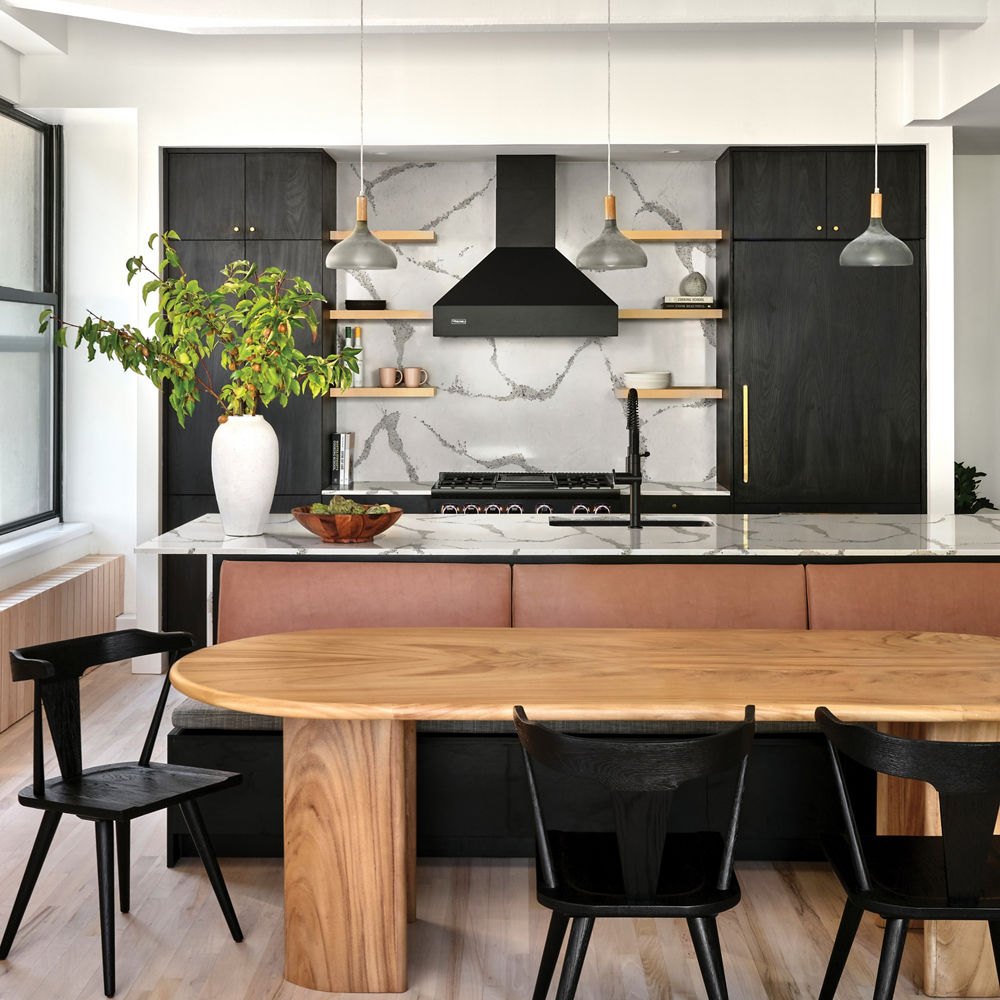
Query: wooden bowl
(346, 527)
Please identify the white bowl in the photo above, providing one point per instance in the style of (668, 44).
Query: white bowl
(646, 380)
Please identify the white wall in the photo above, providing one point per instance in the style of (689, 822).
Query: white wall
(10, 76)
(977, 317)
(808, 85)
(970, 61)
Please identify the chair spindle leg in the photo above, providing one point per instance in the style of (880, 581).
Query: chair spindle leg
(705, 935)
(550, 954)
(849, 921)
(196, 827)
(892, 952)
(576, 951)
(106, 898)
(43, 840)
(123, 841)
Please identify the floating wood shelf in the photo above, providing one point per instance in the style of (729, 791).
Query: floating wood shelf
(671, 313)
(391, 235)
(672, 235)
(676, 392)
(379, 314)
(378, 391)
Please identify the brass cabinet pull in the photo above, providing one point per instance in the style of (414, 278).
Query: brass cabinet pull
(236, 229)
(746, 434)
(818, 228)
(253, 229)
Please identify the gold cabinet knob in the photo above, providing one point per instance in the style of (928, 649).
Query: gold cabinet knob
(236, 229)
(673, 506)
(818, 228)
(253, 229)
(836, 229)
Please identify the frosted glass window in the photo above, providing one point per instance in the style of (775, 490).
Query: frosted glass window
(22, 205)
(26, 414)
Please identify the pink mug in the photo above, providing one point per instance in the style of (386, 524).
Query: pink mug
(389, 377)
(414, 377)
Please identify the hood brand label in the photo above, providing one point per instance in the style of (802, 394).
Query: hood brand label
(458, 322)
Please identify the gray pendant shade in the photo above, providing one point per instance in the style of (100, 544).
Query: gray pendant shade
(612, 250)
(362, 249)
(876, 247)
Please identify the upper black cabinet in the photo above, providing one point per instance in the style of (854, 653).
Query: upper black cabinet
(806, 193)
(253, 195)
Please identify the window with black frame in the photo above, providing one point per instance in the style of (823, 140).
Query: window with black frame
(30, 393)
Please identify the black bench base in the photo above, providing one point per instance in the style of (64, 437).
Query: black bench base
(473, 801)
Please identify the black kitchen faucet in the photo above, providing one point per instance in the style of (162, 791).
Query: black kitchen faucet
(632, 476)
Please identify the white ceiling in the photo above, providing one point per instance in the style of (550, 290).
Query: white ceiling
(405, 16)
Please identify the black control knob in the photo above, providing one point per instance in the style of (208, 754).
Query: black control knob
(448, 508)
(471, 508)
(515, 508)
(493, 508)
(544, 508)
(580, 508)
(602, 508)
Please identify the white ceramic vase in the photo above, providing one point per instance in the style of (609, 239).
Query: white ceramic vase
(244, 472)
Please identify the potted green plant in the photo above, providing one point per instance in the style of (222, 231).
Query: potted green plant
(967, 498)
(250, 321)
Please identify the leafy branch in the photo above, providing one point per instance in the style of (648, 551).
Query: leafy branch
(249, 322)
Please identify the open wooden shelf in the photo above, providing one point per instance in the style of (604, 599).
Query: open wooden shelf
(671, 313)
(379, 314)
(672, 235)
(375, 391)
(391, 235)
(676, 392)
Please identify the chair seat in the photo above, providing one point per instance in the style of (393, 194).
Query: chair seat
(907, 878)
(126, 790)
(589, 878)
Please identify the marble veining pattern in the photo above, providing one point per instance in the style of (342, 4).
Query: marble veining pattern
(745, 535)
(540, 403)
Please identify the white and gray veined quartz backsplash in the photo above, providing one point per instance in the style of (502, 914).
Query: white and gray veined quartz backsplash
(535, 404)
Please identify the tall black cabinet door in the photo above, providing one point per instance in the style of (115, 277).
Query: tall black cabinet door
(299, 425)
(832, 361)
(778, 194)
(187, 450)
(205, 195)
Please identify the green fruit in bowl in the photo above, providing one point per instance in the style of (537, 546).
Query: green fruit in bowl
(344, 505)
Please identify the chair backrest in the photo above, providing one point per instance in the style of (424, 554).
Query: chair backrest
(641, 776)
(56, 668)
(965, 775)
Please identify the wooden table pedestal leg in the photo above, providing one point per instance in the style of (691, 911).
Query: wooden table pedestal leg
(958, 956)
(345, 855)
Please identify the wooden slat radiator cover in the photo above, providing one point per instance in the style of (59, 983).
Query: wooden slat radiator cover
(80, 598)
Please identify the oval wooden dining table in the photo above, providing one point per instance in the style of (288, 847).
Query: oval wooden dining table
(349, 698)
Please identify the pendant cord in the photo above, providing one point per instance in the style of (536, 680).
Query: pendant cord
(875, 33)
(361, 90)
(609, 95)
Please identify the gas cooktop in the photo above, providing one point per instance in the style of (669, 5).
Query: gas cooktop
(523, 483)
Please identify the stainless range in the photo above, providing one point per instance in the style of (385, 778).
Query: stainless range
(526, 493)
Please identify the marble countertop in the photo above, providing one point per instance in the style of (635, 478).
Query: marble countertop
(531, 535)
(424, 489)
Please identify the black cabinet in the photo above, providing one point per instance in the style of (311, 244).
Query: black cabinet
(275, 208)
(261, 195)
(822, 367)
(808, 193)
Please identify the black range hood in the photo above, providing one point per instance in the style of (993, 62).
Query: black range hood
(525, 287)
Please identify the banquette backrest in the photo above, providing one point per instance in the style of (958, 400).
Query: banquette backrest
(661, 595)
(911, 596)
(259, 597)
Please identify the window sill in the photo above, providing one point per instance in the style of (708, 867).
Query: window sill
(33, 542)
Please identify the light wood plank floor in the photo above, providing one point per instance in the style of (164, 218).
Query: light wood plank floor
(479, 932)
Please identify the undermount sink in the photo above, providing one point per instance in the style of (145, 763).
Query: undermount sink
(621, 520)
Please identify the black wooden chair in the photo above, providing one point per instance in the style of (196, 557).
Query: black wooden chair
(952, 877)
(111, 794)
(641, 868)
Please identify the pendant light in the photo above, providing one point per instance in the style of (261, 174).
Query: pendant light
(876, 246)
(362, 250)
(611, 251)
